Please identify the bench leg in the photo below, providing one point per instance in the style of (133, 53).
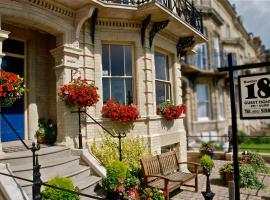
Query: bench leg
(196, 184)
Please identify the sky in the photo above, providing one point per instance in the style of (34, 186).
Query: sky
(256, 15)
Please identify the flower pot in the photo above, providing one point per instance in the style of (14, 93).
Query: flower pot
(40, 138)
(115, 196)
(229, 177)
(211, 154)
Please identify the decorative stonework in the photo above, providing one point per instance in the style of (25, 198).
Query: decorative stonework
(156, 28)
(116, 23)
(145, 23)
(183, 44)
(53, 7)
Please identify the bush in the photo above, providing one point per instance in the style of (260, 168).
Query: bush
(53, 194)
(248, 177)
(133, 149)
(258, 163)
(242, 137)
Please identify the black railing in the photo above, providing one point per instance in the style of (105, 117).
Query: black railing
(181, 8)
(119, 135)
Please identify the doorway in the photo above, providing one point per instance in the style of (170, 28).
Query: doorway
(13, 61)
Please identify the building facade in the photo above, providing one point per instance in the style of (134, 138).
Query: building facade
(206, 90)
(129, 50)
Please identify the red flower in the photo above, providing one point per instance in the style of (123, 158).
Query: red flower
(120, 112)
(170, 112)
(79, 93)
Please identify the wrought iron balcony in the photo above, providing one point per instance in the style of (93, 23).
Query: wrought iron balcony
(182, 9)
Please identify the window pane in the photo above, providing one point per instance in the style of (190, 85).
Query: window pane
(128, 60)
(118, 92)
(168, 91)
(202, 93)
(160, 92)
(203, 102)
(13, 46)
(160, 64)
(117, 60)
(202, 110)
(105, 60)
(129, 97)
(106, 89)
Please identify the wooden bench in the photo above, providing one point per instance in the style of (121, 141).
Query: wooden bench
(163, 172)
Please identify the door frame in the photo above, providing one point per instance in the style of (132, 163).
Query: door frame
(25, 80)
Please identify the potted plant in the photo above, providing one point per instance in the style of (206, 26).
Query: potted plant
(79, 93)
(170, 111)
(120, 112)
(226, 172)
(11, 88)
(207, 148)
(207, 164)
(152, 194)
(40, 133)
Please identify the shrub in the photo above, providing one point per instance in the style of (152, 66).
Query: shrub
(248, 177)
(258, 163)
(207, 163)
(242, 137)
(133, 149)
(53, 194)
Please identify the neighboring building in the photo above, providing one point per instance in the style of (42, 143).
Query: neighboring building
(129, 50)
(206, 91)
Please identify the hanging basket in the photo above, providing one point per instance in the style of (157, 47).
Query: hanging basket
(11, 88)
(79, 93)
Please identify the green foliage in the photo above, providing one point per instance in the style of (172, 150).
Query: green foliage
(54, 194)
(207, 163)
(152, 194)
(225, 168)
(133, 149)
(258, 163)
(207, 147)
(116, 175)
(242, 137)
(48, 129)
(248, 177)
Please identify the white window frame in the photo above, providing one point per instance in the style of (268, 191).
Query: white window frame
(110, 77)
(207, 101)
(167, 71)
(216, 48)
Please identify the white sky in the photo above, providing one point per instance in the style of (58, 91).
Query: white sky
(256, 14)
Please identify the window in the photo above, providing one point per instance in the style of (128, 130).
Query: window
(172, 147)
(117, 73)
(203, 102)
(216, 51)
(202, 56)
(220, 103)
(163, 84)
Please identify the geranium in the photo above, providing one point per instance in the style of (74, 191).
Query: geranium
(79, 93)
(120, 112)
(170, 111)
(11, 88)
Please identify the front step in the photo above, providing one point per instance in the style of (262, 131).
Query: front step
(54, 161)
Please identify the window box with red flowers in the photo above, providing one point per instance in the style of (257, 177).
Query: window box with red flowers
(120, 112)
(170, 111)
(79, 93)
(11, 88)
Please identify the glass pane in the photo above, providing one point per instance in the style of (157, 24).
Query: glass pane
(13, 46)
(105, 60)
(117, 60)
(106, 89)
(118, 91)
(129, 97)
(12, 64)
(160, 92)
(128, 60)
(160, 64)
(202, 110)
(202, 93)
(168, 91)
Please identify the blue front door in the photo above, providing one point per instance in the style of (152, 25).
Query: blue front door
(14, 114)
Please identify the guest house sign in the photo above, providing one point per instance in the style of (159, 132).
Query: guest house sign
(254, 96)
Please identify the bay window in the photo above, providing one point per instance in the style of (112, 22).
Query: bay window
(117, 73)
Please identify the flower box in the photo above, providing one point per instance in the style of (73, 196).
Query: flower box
(120, 112)
(170, 111)
(79, 93)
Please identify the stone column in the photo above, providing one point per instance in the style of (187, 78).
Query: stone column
(3, 36)
(67, 62)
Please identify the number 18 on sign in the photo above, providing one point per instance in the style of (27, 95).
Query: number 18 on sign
(254, 96)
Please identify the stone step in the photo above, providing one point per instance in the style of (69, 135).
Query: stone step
(47, 153)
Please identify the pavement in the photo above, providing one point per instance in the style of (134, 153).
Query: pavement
(221, 191)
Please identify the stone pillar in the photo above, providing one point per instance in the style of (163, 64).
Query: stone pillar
(3, 36)
(67, 62)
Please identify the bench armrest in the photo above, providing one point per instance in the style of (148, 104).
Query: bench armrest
(196, 165)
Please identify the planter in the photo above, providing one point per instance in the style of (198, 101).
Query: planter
(40, 138)
(211, 154)
(229, 177)
(115, 196)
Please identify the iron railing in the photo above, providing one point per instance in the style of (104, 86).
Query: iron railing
(183, 9)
